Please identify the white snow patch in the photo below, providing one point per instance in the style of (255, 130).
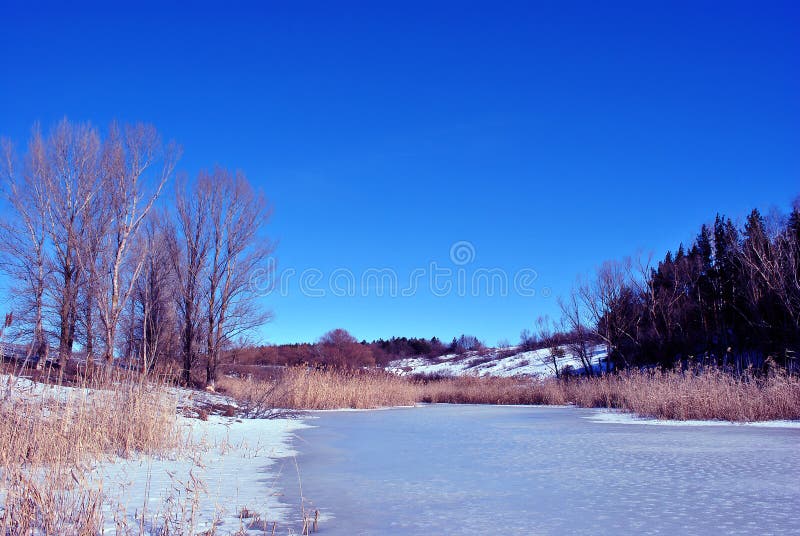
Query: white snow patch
(505, 362)
(610, 416)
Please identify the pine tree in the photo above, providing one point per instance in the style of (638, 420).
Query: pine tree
(705, 289)
(727, 272)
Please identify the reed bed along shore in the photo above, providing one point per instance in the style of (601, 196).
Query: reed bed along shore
(665, 394)
(702, 394)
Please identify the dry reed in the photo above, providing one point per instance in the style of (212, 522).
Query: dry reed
(703, 394)
(304, 388)
(486, 390)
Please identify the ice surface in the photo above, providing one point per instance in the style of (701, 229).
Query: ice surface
(446, 469)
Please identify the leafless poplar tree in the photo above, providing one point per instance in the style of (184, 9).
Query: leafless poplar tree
(92, 263)
(23, 236)
(237, 215)
(90, 258)
(188, 244)
(135, 166)
(71, 178)
(153, 320)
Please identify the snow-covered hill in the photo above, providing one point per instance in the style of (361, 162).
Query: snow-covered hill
(494, 362)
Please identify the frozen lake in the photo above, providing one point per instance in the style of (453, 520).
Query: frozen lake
(527, 470)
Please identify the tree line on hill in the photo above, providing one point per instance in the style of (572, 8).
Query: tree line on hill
(103, 262)
(338, 348)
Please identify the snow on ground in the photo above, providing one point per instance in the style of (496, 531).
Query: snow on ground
(610, 416)
(235, 466)
(493, 362)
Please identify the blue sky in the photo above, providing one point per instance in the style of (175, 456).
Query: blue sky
(550, 136)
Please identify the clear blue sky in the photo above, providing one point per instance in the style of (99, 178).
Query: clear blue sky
(550, 135)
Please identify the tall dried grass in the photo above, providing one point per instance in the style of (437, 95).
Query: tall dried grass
(484, 390)
(304, 388)
(707, 393)
(51, 434)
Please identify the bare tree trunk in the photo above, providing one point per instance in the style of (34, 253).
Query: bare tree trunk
(89, 331)
(188, 341)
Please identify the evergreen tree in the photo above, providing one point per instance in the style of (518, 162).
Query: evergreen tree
(727, 274)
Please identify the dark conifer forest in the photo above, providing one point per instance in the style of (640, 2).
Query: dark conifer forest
(732, 297)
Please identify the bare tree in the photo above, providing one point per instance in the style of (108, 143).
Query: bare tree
(91, 258)
(135, 166)
(608, 301)
(554, 353)
(188, 243)
(338, 348)
(23, 236)
(71, 179)
(665, 296)
(574, 322)
(90, 266)
(153, 322)
(237, 215)
(772, 265)
(527, 340)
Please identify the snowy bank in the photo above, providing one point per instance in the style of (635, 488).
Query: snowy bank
(233, 467)
(610, 416)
